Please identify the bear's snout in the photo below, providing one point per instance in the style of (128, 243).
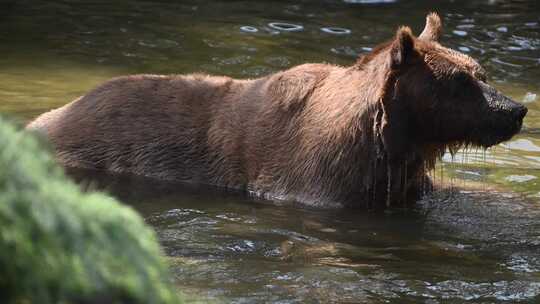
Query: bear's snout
(502, 117)
(497, 102)
(519, 111)
(516, 110)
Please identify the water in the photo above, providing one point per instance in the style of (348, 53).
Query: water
(479, 242)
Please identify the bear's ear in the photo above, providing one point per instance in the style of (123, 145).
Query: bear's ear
(402, 48)
(432, 30)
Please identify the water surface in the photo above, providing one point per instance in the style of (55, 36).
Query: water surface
(478, 242)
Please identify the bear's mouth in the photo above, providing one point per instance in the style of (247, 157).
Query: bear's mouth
(497, 133)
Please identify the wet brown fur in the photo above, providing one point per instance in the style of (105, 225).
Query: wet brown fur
(320, 134)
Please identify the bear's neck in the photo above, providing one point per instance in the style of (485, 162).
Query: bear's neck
(386, 160)
(361, 158)
(342, 145)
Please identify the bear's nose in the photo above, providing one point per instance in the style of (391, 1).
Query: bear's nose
(520, 112)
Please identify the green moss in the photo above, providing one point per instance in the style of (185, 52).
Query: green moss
(58, 245)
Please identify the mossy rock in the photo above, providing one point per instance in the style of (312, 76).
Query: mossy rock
(59, 245)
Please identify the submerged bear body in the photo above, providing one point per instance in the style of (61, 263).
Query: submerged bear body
(360, 136)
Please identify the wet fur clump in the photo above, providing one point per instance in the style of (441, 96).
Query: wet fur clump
(358, 136)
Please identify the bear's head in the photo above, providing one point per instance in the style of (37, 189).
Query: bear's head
(441, 96)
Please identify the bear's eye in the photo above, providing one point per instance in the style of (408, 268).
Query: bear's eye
(460, 81)
(461, 78)
(457, 84)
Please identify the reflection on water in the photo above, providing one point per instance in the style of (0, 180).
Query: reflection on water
(455, 246)
(481, 244)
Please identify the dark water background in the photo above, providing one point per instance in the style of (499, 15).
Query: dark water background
(479, 242)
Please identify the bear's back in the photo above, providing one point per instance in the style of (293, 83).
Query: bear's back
(143, 124)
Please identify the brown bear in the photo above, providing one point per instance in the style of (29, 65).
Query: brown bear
(360, 136)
